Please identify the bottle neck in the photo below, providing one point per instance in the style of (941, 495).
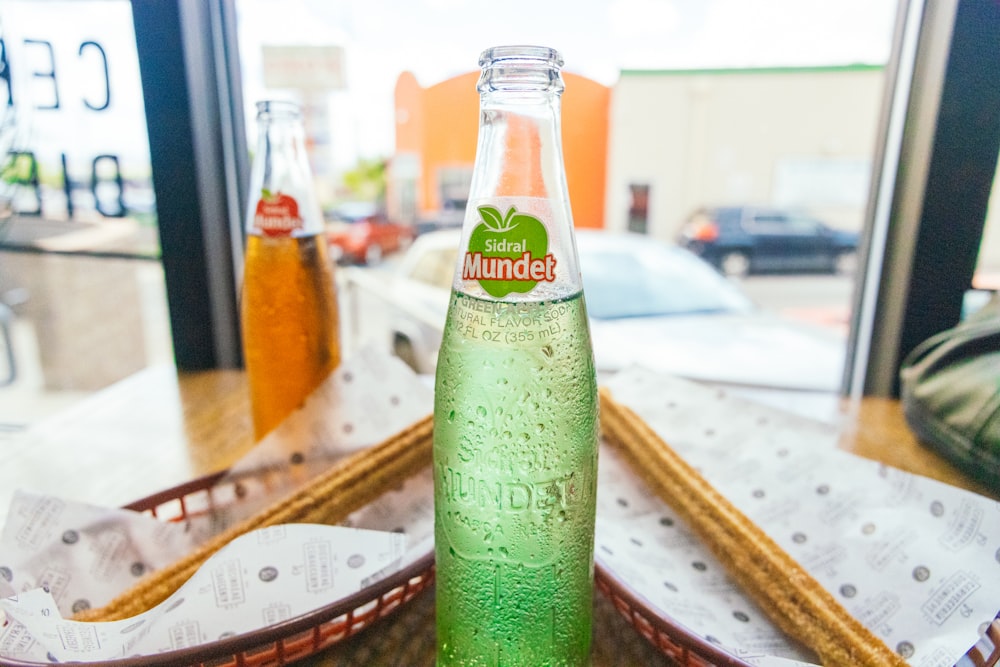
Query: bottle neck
(282, 193)
(517, 241)
(527, 69)
(520, 147)
(520, 144)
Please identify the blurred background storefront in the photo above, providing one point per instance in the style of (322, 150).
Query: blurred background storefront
(127, 127)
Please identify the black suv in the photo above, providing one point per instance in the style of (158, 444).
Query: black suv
(739, 240)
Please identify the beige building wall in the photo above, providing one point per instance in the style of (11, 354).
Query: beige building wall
(801, 137)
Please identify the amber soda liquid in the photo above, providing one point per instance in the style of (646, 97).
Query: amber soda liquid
(290, 324)
(288, 304)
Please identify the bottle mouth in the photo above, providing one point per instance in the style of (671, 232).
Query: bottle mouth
(278, 108)
(529, 56)
(520, 68)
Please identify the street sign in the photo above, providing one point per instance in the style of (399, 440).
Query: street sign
(304, 67)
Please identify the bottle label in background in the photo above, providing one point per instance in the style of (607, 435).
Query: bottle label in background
(276, 214)
(508, 252)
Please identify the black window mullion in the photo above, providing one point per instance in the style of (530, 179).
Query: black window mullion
(930, 192)
(194, 119)
(959, 179)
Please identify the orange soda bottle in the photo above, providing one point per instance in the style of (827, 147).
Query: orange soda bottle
(288, 310)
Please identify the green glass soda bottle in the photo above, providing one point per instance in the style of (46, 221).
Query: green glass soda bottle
(515, 413)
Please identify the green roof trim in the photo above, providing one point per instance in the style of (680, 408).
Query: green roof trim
(805, 69)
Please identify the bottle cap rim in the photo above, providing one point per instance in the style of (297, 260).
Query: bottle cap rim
(521, 54)
(278, 108)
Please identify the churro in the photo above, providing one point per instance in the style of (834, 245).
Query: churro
(350, 484)
(791, 598)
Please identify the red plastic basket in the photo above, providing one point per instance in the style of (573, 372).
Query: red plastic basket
(308, 634)
(685, 648)
(670, 637)
(281, 643)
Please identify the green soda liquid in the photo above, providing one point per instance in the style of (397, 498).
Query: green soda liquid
(515, 482)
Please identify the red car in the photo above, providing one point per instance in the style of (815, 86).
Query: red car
(358, 233)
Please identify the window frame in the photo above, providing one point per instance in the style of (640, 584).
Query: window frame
(189, 68)
(910, 285)
(935, 162)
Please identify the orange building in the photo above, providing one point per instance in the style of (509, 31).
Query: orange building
(436, 133)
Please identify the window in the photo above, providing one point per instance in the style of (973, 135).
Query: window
(803, 226)
(691, 127)
(638, 210)
(453, 186)
(929, 199)
(436, 268)
(769, 224)
(80, 276)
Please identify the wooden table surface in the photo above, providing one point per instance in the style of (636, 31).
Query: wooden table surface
(159, 428)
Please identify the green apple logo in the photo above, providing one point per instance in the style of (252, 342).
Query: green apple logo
(508, 253)
(276, 214)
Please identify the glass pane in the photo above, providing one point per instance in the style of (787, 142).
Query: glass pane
(677, 123)
(986, 281)
(81, 286)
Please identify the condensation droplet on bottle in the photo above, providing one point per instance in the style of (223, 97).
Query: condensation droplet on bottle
(451, 417)
(481, 411)
(547, 351)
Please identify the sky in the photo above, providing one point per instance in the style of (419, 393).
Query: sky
(438, 39)
(434, 39)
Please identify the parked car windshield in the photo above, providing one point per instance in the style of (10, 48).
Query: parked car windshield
(647, 278)
(623, 276)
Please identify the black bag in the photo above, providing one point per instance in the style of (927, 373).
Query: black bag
(951, 394)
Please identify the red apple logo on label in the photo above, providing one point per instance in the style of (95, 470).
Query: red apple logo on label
(276, 214)
(508, 253)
